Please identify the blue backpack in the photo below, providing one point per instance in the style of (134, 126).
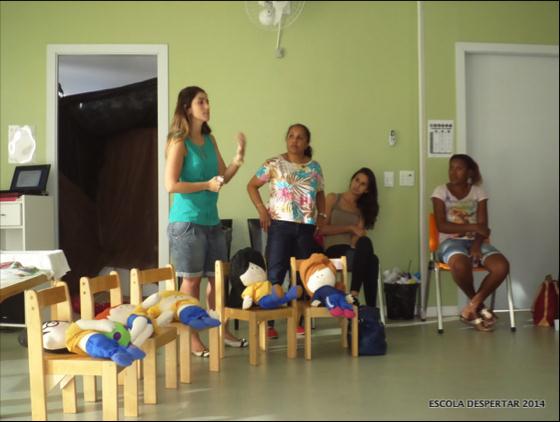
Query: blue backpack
(371, 332)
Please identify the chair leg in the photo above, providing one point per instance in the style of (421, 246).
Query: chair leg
(149, 365)
(109, 392)
(380, 295)
(222, 330)
(426, 294)
(510, 303)
(307, 336)
(253, 341)
(438, 301)
(344, 333)
(90, 390)
(263, 338)
(171, 364)
(38, 394)
(291, 336)
(214, 348)
(185, 355)
(131, 390)
(355, 334)
(69, 397)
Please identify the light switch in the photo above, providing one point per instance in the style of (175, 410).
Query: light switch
(389, 179)
(406, 177)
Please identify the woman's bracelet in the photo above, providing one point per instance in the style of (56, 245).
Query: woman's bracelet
(322, 214)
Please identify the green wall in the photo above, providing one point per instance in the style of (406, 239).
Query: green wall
(350, 74)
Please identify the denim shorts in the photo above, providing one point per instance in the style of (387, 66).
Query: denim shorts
(450, 247)
(195, 248)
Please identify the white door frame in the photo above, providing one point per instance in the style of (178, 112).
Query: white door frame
(462, 49)
(159, 50)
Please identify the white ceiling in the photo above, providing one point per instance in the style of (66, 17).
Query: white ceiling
(86, 73)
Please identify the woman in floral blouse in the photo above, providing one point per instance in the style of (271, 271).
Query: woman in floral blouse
(296, 206)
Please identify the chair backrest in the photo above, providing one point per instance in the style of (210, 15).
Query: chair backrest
(257, 236)
(221, 272)
(434, 234)
(340, 264)
(139, 278)
(89, 286)
(58, 298)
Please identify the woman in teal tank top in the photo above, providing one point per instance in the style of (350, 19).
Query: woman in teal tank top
(194, 173)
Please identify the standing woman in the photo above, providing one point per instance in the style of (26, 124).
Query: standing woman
(349, 215)
(296, 205)
(194, 173)
(461, 213)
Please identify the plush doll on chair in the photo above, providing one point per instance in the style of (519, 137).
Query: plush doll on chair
(248, 276)
(318, 275)
(172, 305)
(96, 338)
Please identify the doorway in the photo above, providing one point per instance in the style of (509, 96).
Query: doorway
(59, 56)
(508, 121)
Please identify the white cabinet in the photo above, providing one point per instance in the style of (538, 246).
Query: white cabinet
(27, 224)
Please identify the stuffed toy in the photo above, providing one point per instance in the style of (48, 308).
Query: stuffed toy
(318, 275)
(53, 336)
(172, 305)
(95, 338)
(140, 327)
(248, 275)
(102, 339)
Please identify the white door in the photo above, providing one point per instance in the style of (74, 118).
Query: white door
(512, 132)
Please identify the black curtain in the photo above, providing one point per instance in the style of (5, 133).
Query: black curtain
(107, 155)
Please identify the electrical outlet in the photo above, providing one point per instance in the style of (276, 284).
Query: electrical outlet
(406, 177)
(389, 179)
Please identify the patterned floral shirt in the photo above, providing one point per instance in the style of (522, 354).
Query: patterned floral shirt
(293, 189)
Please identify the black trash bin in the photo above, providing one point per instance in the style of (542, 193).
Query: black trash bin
(400, 300)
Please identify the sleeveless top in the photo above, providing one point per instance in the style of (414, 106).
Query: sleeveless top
(341, 217)
(199, 165)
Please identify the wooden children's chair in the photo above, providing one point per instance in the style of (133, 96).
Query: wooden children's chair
(310, 312)
(436, 267)
(164, 337)
(89, 287)
(256, 317)
(46, 370)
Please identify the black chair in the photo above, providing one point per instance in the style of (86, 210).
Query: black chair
(257, 236)
(227, 227)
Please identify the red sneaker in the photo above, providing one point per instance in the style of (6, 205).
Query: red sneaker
(272, 333)
(300, 331)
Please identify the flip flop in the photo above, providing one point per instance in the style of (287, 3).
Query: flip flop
(477, 323)
(236, 343)
(488, 316)
(202, 354)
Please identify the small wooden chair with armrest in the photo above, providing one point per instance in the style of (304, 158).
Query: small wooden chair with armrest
(310, 312)
(256, 317)
(437, 267)
(47, 370)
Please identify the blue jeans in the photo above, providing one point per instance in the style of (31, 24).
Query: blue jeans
(195, 248)
(287, 239)
(450, 247)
